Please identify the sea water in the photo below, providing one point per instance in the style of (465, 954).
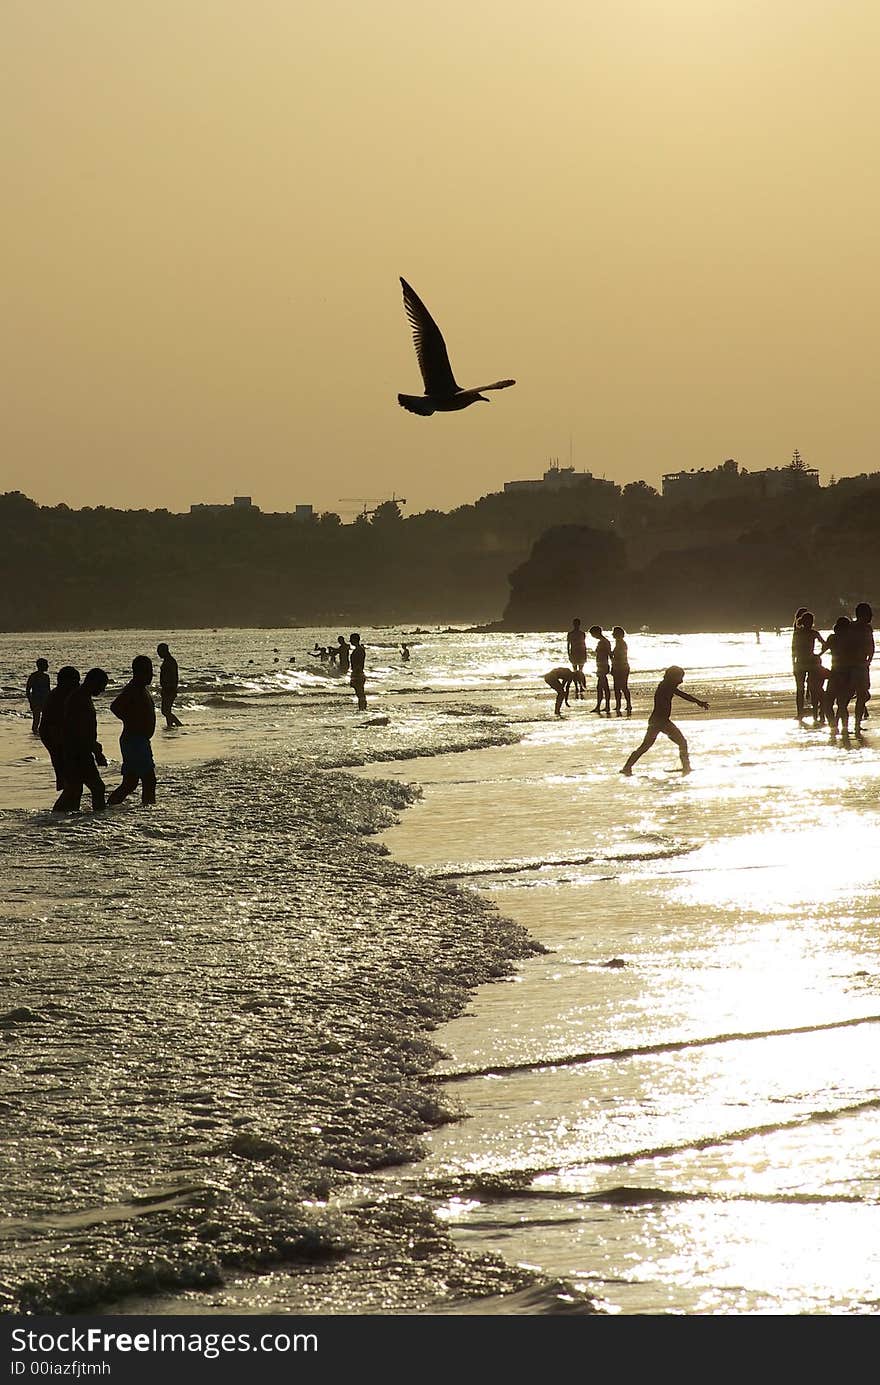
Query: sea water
(671, 1108)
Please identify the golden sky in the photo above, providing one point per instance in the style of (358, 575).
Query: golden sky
(659, 216)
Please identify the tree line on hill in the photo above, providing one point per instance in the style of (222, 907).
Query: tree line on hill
(724, 564)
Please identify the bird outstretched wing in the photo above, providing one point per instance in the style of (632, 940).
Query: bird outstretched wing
(430, 346)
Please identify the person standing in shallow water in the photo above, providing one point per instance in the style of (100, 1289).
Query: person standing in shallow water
(576, 645)
(862, 652)
(660, 721)
(620, 670)
(36, 690)
(52, 720)
(82, 751)
(358, 679)
(342, 653)
(135, 709)
(169, 681)
(603, 668)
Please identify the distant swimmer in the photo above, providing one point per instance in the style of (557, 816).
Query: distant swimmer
(82, 750)
(660, 721)
(169, 681)
(442, 393)
(560, 680)
(358, 677)
(603, 668)
(36, 690)
(52, 720)
(135, 709)
(620, 670)
(404, 653)
(343, 654)
(576, 646)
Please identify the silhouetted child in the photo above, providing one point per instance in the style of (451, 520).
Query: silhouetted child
(620, 670)
(36, 690)
(135, 709)
(660, 721)
(603, 667)
(560, 680)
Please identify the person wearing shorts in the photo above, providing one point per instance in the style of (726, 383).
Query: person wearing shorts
(135, 708)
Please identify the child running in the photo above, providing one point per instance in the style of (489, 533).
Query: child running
(660, 719)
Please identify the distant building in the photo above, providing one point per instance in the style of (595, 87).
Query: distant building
(729, 481)
(555, 478)
(304, 512)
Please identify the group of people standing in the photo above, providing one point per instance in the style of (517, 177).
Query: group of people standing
(612, 660)
(65, 719)
(829, 691)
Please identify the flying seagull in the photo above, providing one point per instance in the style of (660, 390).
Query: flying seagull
(442, 394)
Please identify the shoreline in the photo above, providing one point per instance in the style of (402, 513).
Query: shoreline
(468, 943)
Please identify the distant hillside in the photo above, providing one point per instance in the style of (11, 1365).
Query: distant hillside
(731, 562)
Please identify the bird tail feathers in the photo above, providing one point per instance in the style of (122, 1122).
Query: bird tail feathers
(416, 403)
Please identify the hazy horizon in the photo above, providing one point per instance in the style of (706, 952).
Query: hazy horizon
(658, 217)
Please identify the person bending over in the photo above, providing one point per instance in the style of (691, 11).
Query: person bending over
(560, 680)
(135, 709)
(660, 721)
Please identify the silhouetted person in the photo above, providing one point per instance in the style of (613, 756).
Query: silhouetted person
(603, 668)
(862, 649)
(805, 640)
(576, 645)
(620, 670)
(839, 689)
(81, 749)
(52, 720)
(660, 721)
(342, 653)
(797, 667)
(560, 680)
(36, 690)
(169, 681)
(135, 709)
(358, 678)
(404, 653)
